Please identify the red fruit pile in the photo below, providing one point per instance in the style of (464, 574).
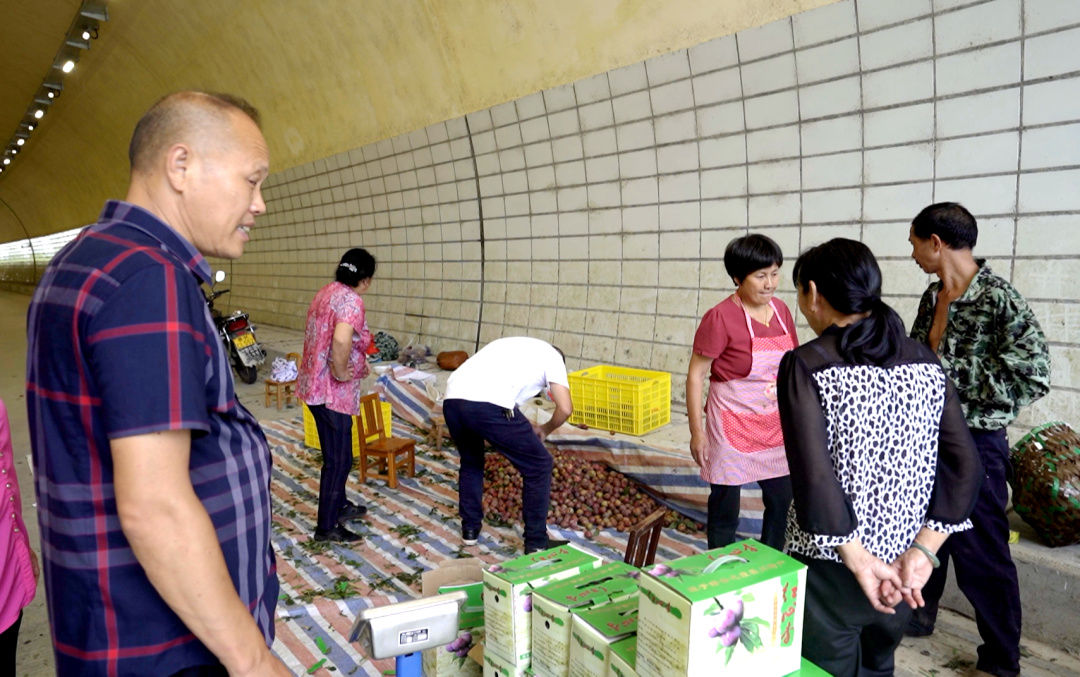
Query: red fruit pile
(584, 495)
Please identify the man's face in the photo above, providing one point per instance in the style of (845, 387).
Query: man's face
(224, 193)
(924, 252)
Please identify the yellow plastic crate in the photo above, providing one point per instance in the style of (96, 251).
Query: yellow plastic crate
(311, 433)
(632, 401)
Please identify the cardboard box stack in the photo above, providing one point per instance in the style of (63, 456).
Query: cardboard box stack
(553, 604)
(622, 658)
(594, 630)
(452, 660)
(508, 589)
(734, 610)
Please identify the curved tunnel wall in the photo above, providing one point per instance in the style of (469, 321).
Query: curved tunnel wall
(595, 214)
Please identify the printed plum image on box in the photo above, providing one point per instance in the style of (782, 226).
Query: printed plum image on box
(553, 603)
(593, 631)
(734, 610)
(508, 589)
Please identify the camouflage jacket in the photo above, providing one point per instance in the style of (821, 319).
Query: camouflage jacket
(993, 349)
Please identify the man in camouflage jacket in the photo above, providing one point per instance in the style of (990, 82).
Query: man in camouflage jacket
(993, 349)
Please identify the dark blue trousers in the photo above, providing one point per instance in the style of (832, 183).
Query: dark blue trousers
(335, 438)
(724, 504)
(470, 424)
(985, 572)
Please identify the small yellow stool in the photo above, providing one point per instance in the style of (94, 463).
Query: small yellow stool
(283, 391)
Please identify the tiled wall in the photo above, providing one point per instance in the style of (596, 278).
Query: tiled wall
(595, 214)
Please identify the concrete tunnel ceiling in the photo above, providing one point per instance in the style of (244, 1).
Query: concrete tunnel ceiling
(327, 75)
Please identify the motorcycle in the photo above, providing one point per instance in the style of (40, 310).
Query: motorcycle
(238, 335)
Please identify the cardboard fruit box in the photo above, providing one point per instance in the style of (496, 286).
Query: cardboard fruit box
(734, 610)
(622, 658)
(508, 589)
(553, 603)
(497, 666)
(593, 631)
(458, 574)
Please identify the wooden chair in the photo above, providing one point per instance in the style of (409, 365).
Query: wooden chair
(386, 456)
(644, 537)
(283, 390)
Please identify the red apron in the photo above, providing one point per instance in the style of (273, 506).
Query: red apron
(742, 421)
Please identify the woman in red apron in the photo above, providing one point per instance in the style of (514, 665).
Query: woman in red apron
(739, 343)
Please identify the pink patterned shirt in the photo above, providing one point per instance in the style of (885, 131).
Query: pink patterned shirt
(17, 583)
(335, 303)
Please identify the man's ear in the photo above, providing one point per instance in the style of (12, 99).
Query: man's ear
(812, 296)
(935, 240)
(177, 164)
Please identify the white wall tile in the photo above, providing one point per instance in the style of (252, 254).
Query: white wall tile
(483, 142)
(503, 114)
(563, 123)
(722, 119)
(570, 173)
(540, 178)
(679, 246)
(637, 163)
(1051, 54)
(723, 85)
(592, 89)
(987, 112)
(604, 195)
(902, 84)
(678, 158)
(980, 69)
(899, 163)
(604, 168)
(668, 67)
(829, 98)
(478, 121)
(727, 212)
(1045, 15)
(635, 135)
(530, 106)
(722, 151)
(762, 41)
(680, 216)
(1048, 279)
(1054, 101)
(1055, 146)
(672, 97)
(542, 201)
(605, 220)
(900, 125)
(985, 195)
(535, 130)
(769, 75)
(824, 23)
(728, 182)
(896, 203)
(770, 210)
(643, 191)
(996, 236)
(977, 155)
(890, 239)
(815, 235)
(512, 159)
(770, 144)
(773, 177)
(679, 187)
(714, 54)
(599, 142)
(841, 169)
(630, 78)
(772, 109)
(875, 13)
(596, 115)
(829, 136)
(572, 199)
(977, 25)
(900, 44)
(641, 218)
(827, 61)
(636, 106)
(513, 182)
(1046, 236)
(676, 127)
(508, 136)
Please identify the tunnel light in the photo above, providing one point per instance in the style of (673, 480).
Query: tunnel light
(86, 34)
(68, 66)
(7, 161)
(19, 142)
(38, 114)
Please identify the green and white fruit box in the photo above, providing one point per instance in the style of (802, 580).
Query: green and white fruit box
(808, 669)
(593, 631)
(552, 605)
(622, 658)
(465, 574)
(508, 591)
(732, 610)
(439, 662)
(497, 666)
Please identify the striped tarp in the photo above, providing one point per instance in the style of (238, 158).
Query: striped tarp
(407, 531)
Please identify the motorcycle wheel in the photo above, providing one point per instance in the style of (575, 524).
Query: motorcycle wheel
(246, 374)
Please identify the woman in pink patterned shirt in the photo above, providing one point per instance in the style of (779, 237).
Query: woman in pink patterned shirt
(18, 563)
(336, 338)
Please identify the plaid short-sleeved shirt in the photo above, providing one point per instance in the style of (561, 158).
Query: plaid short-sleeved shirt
(120, 343)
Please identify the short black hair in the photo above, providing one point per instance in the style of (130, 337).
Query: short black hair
(949, 221)
(746, 254)
(356, 265)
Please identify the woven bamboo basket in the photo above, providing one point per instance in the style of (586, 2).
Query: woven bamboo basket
(1046, 482)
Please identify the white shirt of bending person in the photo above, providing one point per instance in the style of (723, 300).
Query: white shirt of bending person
(507, 372)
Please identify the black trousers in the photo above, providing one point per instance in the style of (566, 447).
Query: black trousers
(204, 670)
(724, 512)
(985, 572)
(842, 633)
(335, 438)
(9, 643)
